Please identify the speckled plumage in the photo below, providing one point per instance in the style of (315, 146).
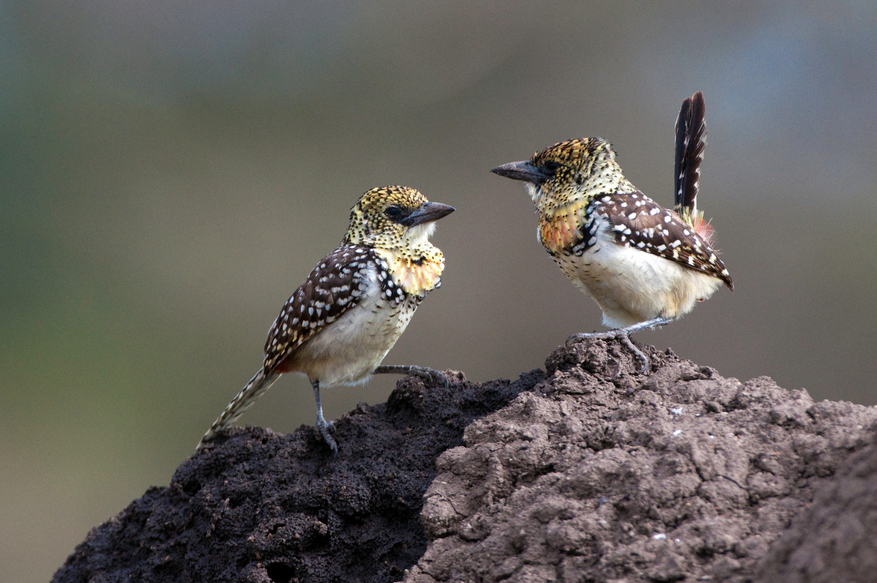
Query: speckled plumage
(348, 313)
(637, 260)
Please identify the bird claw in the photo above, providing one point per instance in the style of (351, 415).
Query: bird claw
(431, 375)
(594, 335)
(324, 427)
(624, 337)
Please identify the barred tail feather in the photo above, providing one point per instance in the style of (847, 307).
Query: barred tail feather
(242, 401)
(690, 143)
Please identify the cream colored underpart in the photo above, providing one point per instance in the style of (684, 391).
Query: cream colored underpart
(347, 352)
(631, 285)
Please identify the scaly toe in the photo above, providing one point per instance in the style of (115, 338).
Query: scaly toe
(324, 428)
(609, 334)
(433, 376)
(625, 339)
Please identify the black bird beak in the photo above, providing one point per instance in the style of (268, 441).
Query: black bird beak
(427, 213)
(523, 170)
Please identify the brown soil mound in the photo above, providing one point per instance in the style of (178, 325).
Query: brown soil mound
(588, 472)
(835, 540)
(265, 507)
(680, 476)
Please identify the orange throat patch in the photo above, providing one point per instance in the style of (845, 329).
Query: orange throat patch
(414, 278)
(561, 231)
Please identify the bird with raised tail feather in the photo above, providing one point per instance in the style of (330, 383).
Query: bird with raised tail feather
(644, 265)
(340, 323)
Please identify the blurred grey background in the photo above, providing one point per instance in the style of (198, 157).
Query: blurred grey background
(171, 171)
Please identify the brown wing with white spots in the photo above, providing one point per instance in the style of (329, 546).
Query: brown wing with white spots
(640, 222)
(335, 285)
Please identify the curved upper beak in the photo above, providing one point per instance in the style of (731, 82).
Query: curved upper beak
(426, 213)
(523, 170)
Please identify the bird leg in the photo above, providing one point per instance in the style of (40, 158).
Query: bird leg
(623, 334)
(322, 425)
(433, 376)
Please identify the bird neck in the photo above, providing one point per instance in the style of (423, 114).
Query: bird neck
(416, 269)
(563, 211)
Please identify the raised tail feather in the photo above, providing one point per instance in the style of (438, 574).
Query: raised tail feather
(690, 143)
(248, 395)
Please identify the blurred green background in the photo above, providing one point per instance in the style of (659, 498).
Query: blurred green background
(170, 172)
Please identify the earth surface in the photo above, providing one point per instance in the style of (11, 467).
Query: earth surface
(587, 471)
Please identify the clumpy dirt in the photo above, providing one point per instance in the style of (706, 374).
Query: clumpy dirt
(679, 476)
(264, 507)
(587, 472)
(835, 540)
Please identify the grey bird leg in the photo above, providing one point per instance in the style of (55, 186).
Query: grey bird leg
(321, 423)
(623, 334)
(423, 372)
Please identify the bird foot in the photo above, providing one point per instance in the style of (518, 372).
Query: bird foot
(623, 334)
(620, 334)
(430, 375)
(324, 427)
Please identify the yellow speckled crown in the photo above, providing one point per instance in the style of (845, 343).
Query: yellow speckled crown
(580, 170)
(369, 225)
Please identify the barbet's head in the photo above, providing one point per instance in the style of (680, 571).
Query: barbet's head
(568, 171)
(391, 217)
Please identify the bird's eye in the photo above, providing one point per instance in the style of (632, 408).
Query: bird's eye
(394, 212)
(551, 167)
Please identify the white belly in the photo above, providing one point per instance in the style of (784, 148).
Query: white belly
(348, 351)
(631, 285)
